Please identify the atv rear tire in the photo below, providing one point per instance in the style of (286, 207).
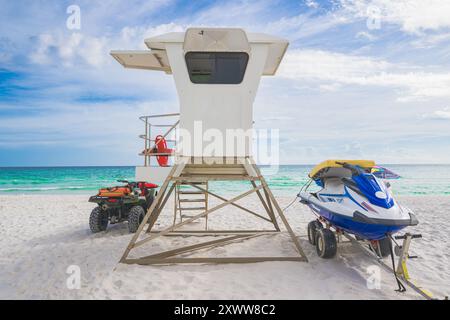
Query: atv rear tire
(326, 245)
(135, 218)
(313, 226)
(98, 221)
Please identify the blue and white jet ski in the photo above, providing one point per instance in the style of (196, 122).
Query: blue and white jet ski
(352, 199)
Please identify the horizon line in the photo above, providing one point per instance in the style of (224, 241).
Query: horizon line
(131, 166)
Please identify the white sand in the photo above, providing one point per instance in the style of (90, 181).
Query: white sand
(41, 236)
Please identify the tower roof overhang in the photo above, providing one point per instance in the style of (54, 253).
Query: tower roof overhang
(203, 39)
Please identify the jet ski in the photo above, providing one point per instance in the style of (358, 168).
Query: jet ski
(354, 200)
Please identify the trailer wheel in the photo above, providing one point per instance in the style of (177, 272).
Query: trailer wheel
(384, 246)
(326, 245)
(98, 221)
(135, 218)
(313, 226)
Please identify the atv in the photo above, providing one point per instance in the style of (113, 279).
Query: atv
(122, 203)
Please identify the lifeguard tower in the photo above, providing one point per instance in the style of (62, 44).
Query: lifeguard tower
(217, 73)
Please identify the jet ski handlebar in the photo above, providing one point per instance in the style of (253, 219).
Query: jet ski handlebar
(354, 169)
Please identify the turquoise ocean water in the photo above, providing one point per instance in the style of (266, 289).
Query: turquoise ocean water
(416, 179)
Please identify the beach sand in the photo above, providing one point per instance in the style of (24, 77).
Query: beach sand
(43, 235)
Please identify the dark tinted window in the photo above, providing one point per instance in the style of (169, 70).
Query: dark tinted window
(216, 67)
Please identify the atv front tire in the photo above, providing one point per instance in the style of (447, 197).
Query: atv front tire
(135, 218)
(98, 221)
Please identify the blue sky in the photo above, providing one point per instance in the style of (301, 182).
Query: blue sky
(361, 79)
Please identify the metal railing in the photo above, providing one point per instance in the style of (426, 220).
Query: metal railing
(149, 140)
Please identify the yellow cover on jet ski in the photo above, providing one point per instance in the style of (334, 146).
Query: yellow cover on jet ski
(334, 164)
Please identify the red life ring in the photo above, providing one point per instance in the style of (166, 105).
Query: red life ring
(161, 147)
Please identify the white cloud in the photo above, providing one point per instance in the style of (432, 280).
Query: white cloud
(133, 37)
(331, 87)
(438, 114)
(312, 4)
(430, 41)
(41, 55)
(241, 13)
(442, 114)
(69, 49)
(353, 149)
(414, 16)
(365, 35)
(80, 126)
(306, 25)
(330, 70)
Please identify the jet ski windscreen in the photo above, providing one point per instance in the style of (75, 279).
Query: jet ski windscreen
(384, 173)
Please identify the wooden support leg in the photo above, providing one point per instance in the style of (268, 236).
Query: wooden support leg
(213, 260)
(148, 214)
(157, 212)
(285, 222)
(280, 213)
(268, 208)
(206, 205)
(175, 206)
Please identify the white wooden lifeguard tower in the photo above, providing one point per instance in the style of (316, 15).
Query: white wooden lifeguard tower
(217, 73)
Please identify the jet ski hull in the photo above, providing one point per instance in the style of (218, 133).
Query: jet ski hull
(359, 225)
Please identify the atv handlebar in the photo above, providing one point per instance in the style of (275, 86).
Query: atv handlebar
(139, 184)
